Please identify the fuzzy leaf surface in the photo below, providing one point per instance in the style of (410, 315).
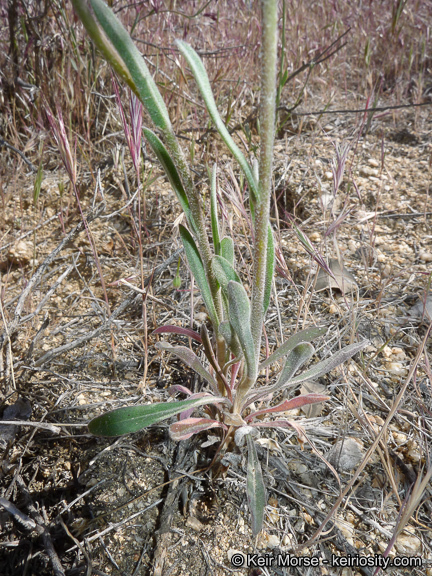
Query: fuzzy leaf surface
(255, 488)
(295, 360)
(292, 404)
(306, 335)
(201, 78)
(189, 358)
(134, 418)
(227, 249)
(187, 428)
(224, 272)
(316, 371)
(197, 268)
(239, 317)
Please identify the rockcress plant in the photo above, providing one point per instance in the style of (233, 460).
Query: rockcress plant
(233, 348)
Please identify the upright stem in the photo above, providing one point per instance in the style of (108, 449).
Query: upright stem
(267, 134)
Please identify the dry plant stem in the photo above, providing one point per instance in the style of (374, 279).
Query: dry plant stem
(372, 449)
(267, 134)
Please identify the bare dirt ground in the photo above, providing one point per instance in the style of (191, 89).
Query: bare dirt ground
(73, 504)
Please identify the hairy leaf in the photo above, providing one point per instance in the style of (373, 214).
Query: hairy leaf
(224, 272)
(201, 78)
(197, 268)
(295, 360)
(291, 404)
(133, 418)
(316, 371)
(256, 492)
(306, 335)
(239, 317)
(187, 428)
(227, 249)
(189, 358)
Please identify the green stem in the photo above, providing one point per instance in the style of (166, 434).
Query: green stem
(267, 134)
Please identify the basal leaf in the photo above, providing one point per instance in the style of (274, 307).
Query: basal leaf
(189, 358)
(306, 335)
(133, 418)
(255, 488)
(295, 360)
(201, 78)
(291, 404)
(187, 428)
(168, 328)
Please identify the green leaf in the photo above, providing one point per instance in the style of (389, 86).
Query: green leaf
(227, 249)
(171, 171)
(213, 211)
(224, 272)
(189, 358)
(143, 84)
(295, 360)
(306, 335)
(228, 334)
(315, 372)
(270, 266)
(330, 363)
(239, 317)
(255, 488)
(201, 78)
(197, 268)
(135, 418)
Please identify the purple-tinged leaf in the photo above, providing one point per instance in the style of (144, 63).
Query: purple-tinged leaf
(179, 388)
(291, 404)
(189, 412)
(168, 328)
(187, 428)
(191, 359)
